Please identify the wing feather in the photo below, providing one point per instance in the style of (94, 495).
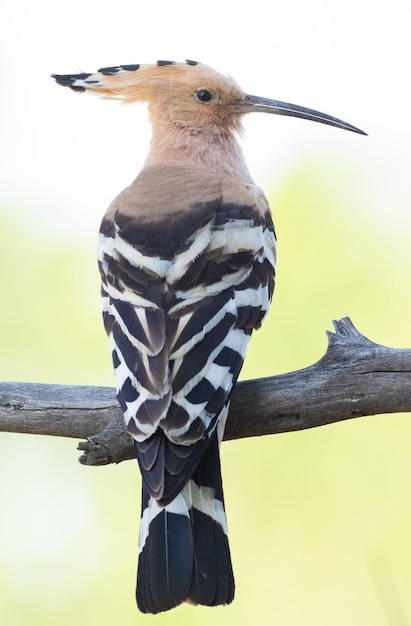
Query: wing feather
(180, 323)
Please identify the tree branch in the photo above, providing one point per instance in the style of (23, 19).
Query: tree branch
(355, 377)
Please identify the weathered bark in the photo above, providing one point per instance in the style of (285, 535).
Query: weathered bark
(355, 377)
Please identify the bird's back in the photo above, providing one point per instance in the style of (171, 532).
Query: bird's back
(187, 261)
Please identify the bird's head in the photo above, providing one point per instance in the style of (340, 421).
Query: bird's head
(189, 95)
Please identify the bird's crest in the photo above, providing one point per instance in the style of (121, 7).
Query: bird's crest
(146, 82)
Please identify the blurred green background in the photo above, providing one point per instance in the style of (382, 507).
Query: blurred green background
(319, 520)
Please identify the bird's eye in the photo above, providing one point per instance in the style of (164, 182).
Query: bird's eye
(204, 95)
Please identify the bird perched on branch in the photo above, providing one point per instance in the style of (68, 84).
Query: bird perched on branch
(187, 256)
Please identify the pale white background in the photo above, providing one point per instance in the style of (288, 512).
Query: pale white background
(64, 155)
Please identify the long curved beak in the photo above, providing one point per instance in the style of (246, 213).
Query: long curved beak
(265, 105)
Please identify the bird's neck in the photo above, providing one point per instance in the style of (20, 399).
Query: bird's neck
(217, 151)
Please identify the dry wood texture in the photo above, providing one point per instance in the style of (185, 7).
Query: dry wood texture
(355, 377)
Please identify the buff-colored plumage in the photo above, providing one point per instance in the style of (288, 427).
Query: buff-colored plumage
(187, 256)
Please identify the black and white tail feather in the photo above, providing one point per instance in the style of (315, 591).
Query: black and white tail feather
(181, 296)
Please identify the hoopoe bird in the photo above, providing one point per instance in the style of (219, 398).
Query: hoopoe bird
(187, 256)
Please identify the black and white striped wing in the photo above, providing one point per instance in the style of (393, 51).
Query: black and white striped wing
(181, 298)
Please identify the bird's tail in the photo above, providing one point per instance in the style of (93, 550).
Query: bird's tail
(184, 551)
